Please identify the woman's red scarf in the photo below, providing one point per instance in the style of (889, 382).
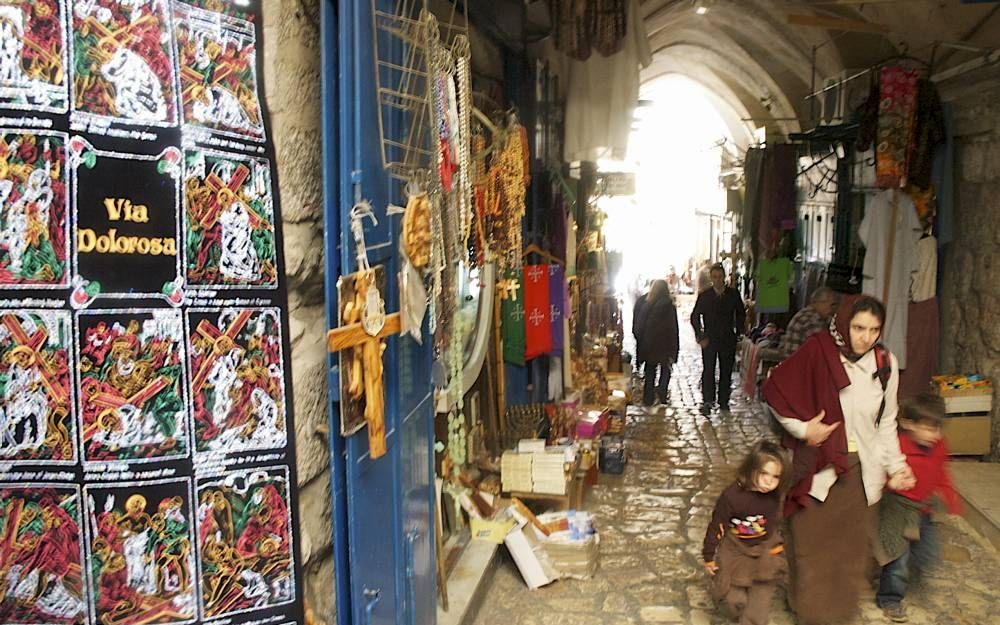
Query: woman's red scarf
(806, 382)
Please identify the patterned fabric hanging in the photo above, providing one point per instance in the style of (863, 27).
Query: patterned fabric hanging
(897, 108)
(574, 23)
(609, 26)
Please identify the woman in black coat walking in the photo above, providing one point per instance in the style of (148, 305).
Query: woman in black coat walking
(658, 342)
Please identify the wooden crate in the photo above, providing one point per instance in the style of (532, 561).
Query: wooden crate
(967, 435)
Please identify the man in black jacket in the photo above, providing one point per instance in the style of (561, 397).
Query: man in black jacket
(717, 320)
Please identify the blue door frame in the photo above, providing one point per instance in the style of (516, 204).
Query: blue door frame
(382, 509)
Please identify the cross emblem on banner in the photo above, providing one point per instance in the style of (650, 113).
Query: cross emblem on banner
(536, 317)
(517, 313)
(222, 342)
(554, 312)
(508, 289)
(535, 273)
(30, 345)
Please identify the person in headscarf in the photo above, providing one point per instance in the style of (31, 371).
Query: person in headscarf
(658, 342)
(836, 399)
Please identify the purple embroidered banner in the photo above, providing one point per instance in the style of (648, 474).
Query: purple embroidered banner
(557, 305)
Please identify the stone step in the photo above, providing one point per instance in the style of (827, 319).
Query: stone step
(978, 484)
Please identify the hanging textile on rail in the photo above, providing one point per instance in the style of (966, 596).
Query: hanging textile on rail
(897, 109)
(573, 20)
(602, 94)
(511, 292)
(928, 134)
(890, 231)
(537, 327)
(557, 305)
(609, 26)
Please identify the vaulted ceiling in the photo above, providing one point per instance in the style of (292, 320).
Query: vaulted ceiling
(761, 58)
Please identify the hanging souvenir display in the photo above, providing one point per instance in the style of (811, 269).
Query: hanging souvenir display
(147, 475)
(505, 189)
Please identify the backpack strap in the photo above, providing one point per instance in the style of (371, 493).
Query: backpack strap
(883, 369)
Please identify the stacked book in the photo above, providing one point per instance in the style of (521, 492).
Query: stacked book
(548, 474)
(515, 471)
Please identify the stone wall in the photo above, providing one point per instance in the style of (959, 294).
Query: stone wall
(292, 82)
(970, 329)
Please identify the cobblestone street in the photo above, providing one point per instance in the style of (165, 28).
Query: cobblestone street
(652, 521)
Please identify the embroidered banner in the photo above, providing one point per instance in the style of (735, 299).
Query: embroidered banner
(147, 471)
(557, 306)
(537, 327)
(511, 292)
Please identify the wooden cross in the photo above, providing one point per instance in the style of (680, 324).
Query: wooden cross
(222, 342)
(32, 344)
(365, 375)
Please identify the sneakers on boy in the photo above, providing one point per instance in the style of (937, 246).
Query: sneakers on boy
(706, 408)
(895, 612)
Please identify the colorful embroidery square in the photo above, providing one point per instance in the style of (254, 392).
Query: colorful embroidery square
(41, 557)
(140, 556)
(36, 419)
(244, 542)
(123, 66)
(237, 383)
(217, 56)
(33, 72)
(33, 223)
(228, 221)
(131, 385)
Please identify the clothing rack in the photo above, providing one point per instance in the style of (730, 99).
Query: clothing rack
(903, 56)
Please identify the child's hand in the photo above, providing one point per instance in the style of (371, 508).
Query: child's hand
(711, 568)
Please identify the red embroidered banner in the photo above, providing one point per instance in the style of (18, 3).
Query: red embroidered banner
(537, 326)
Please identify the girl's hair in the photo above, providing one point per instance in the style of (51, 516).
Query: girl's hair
(762, 453)
(868, 304)
(657, 290)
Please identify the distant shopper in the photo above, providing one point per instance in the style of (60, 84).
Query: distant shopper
(705, 276)
(812, 319)
(717, 320)
(659, 342)
(743, 550)
(906, 536)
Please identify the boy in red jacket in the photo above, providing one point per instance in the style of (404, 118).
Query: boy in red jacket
(905, 531)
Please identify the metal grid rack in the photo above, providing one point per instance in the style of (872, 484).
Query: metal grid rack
(410, 43)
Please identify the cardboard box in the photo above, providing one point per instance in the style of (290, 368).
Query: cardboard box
(530, 557)
(492, 530)
(968, 435)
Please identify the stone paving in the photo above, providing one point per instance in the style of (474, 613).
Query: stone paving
(652, 521)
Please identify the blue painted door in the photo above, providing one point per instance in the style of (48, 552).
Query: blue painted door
(382, 509)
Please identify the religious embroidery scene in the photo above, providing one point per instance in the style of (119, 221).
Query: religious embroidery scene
(36, 407)
(244, 541)
(33, 210)
(123, 61)
(228, 220)
(237, 386)
(132, 385)
(216, 54)
(42, 557)
(33, 68)
(140, 558)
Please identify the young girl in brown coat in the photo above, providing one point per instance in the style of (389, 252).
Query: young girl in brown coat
(743, 550)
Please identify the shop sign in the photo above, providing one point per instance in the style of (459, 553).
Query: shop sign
(617, 183)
